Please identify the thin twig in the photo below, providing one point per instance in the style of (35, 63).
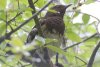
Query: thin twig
(91, 60)
(81, 60)
(18, 14)
(35, 1)
(81, 41)
(2, 38)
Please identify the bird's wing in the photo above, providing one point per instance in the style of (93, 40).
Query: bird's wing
(34, 32)
(32, 35)
(51, 24)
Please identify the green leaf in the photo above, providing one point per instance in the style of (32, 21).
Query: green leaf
(2, 59)
(89, 44)
(91, 29)
(53, 11)
(75, 1)
(85, 18)
(2, 15)
(67, 1)
(2, 52)
(89, 1)
(23, 1)
(2, 28)
(56, 49)
(73, 36)
(75, 15)
(16, 42)
(49, 40)
(71, 1)
(40, 3)
(2, 4)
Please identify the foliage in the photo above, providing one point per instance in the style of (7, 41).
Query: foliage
(75, 33)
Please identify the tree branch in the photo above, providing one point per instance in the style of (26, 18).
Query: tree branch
(80, 42)
(31, 5)
(81, 60)
(2, 38)
(90, 63)
(18, 14)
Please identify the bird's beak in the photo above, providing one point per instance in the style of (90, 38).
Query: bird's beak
(68, 5)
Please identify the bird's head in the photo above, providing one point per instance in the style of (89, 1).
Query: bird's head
(59, 10)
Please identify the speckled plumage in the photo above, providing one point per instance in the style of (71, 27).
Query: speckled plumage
(53, 22)
(52, 26)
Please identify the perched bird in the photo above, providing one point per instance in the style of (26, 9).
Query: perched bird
(52, 26)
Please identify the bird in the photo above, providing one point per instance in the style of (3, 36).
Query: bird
(53, 27)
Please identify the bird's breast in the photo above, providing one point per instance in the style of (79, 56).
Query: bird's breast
(55, 25)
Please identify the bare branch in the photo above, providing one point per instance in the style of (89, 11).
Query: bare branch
(90, 63)
(80, 42)
(31, 5)
(81, 60)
